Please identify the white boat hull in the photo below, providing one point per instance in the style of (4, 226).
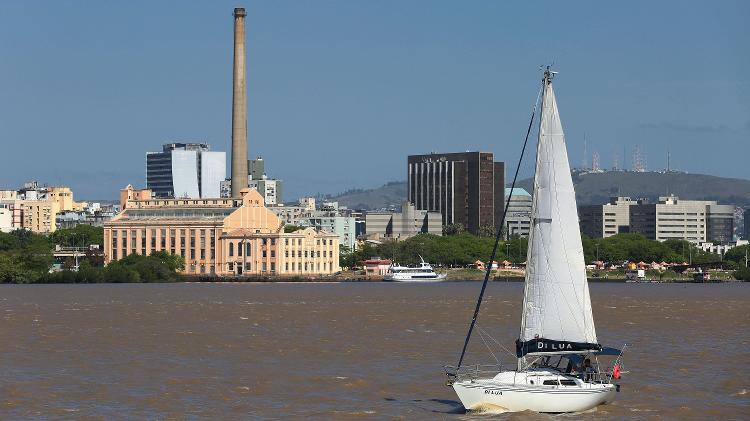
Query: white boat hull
(493, 395)
(398, 277)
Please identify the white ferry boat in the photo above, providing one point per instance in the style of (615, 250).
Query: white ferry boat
(423, 273)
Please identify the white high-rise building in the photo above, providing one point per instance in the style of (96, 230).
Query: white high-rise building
(213, 172)
(185, 170)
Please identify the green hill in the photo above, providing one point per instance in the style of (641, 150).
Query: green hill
(597, 188)
(591, 188)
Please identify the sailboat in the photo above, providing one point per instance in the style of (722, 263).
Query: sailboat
(557, 338)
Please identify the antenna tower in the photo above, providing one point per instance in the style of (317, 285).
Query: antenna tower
(669, 159)
(616, 163)
(639, 160)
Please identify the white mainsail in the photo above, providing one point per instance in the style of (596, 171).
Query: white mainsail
(557, 305)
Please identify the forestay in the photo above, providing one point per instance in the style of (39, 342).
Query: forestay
(557, 315)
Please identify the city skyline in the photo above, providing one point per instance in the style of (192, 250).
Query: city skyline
(327, 81)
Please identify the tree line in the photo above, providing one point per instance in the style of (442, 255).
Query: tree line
(26, 257)
(459, 249)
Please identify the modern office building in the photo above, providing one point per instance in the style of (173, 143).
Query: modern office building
(518, 220)
(600, 221)
(401, 225)
(720, 223)
(330, 218)
(466, 188)
(270, 188)
(693, 220)
(185, 170)
(226, 237)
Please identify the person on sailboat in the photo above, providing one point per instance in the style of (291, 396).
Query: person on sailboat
(587, 370)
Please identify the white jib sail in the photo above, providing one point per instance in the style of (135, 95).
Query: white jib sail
(557, 304)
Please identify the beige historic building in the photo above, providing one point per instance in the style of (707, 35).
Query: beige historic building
(131, 194)
(226, 237)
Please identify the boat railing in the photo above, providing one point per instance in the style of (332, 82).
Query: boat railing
(472, 372)
(604, 376)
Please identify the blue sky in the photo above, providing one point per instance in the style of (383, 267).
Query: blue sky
(340, 92)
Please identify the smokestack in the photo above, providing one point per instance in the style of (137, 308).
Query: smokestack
(239, 107)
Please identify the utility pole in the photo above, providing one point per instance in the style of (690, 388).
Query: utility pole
(519, 249)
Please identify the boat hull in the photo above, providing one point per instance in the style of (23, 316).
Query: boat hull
(480, 395)
(395, 277)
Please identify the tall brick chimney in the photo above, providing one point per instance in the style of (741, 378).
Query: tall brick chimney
(239, 107)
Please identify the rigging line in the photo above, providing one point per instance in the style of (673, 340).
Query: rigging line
(499, 230)
(495, 341)
(481, 336)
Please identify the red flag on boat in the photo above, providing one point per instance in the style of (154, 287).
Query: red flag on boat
(616, 372)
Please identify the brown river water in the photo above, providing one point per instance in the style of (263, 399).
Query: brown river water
(343, 351)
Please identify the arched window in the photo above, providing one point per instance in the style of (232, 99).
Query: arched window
(247, 250)
(239, 249)
(231, 249)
